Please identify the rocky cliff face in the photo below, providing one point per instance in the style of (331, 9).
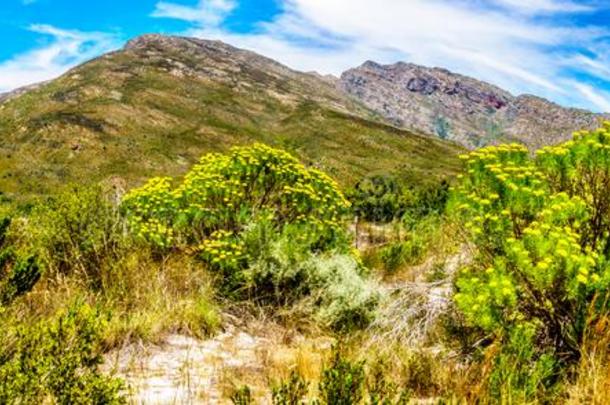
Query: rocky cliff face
(459, 108)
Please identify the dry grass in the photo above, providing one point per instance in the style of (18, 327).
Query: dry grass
(143, 298)
(592, 384)
(274, 358)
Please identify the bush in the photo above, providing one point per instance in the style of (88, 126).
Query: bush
(284, 270)
(345, 298)
(223, 193)
(76, 231)
(18, 274)
(242, 396)
(520, 373)
(383, 198)
(56, 360)
(290, 392)
(343, 382)
(265, 221)
(541, 229)
(398, 254)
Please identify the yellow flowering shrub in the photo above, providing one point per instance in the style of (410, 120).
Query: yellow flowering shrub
(540, 226)
(219, 196)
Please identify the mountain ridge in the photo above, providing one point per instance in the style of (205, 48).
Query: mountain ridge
(461, 108)
(468, 111)
(155, 106)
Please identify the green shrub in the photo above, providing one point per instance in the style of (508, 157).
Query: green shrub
(535, 263)
(383, 198)
(343, 382)
(284, 271)
(541, 229)
(291, 391)
(76, 231)
(223, 193)
(398, 254)
(266, 222)
(346, 300)
(520, 373)
(242, 396)
(18, 274)
(56, 360)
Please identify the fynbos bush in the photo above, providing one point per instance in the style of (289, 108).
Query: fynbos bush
(541, 229)
(56, 360)
(18, 273)
(223, 193)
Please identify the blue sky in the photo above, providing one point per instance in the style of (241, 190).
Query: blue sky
(558, 49)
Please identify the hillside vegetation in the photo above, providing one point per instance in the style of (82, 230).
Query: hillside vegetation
(154, 107)
(186, 188)
(521, 318)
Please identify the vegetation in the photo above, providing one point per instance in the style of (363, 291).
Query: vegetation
(385, 198)
(126, 116)
(493, 290)
(540, 278)
(18, 275)
(56, 360)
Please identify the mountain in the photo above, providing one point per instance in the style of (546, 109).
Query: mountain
(155, 106)
(459, 108)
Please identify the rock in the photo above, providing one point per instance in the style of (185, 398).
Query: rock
(473, 113)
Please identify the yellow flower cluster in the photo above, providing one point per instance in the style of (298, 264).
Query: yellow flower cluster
(223, 249)
(226, 191)
(149, 209)
(528, 216)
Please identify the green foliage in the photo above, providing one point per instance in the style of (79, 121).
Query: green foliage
(581, 168)
(520, 374)
(223, 193)
(76, 231)
(18, 273)
(56, 359)
(397, 254)
(541, 229)
(343, 382)
(407, 242)
(242, 396)
(268, 223)
(291, 391)
(22, 275)
(346, 299)
(283, 270)
(384, 198)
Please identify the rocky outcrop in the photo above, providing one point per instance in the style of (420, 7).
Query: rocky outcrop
(463, 109)
(19, 91)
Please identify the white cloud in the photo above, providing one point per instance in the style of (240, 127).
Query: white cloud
(66, 49)
(208, 13)
(597, 98)
(516, 44)
(545, 6)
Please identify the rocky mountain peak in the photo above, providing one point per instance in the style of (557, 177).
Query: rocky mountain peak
(460, 108)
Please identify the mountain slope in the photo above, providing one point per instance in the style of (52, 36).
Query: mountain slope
(157, 105)
(456, 107)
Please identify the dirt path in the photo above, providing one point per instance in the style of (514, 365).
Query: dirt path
(185, 370)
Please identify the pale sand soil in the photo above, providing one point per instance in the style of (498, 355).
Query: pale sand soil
(186, 370)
